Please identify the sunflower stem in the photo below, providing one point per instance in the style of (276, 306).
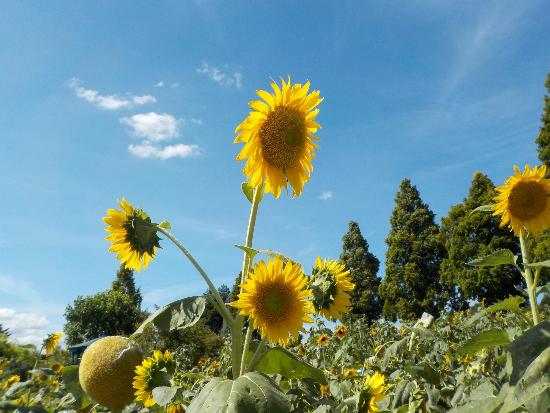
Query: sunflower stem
(531, 283)
(256, 356)
(246, 345)
(237, 350)
(220, 305)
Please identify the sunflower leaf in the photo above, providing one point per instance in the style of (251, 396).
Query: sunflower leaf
(175, 316)
(539, 264)
(499, 257)
(248, 191)
(165, 225)
(486, 339)
(164, 394)
(483, 208)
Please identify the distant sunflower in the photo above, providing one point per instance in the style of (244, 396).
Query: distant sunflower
(154, 371)
(132, 234)
(340, 331)
(275, 298)
(330, 283)
(323, 340)
(51, 342)
(373, 392)
(524, 201)
(279, 137)
(11, 380)
(325, 390)
(57, 368)
(349, 373)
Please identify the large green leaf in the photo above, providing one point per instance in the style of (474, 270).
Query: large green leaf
(176, 316)
(485, 339)
(164, 394)
(277, 360)
(511, 303)
(251, 393)
(527, 347)
(499, 257)
(424, 371)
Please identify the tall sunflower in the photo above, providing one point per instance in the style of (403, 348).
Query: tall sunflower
(524, 201)
(51, 342)
(132, 234)
(330, 283)
(154, 371)
(373, 392)
(275, 298)
(279, 137)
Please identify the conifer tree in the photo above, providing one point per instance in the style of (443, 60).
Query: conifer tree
(363, 267)
(411, 284)
(125, 282)
(467, 236)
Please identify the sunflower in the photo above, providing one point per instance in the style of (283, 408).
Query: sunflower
(524, 201)
(325, 390)
(275, 298)
(322, 340)
(132, 234)
(372, 393)
(51, 342)
(340, 331)
(57, 368)
(4, 363)
(330, 283)
(11, 380)
(349, 373)
(154, 371)
(278, 137)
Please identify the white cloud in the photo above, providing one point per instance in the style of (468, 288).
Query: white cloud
(25, 328)
(325, 195)
(175, 84)
(153, 126)
(223, 78)
(109, 102)
(147, 150)
(159, 84)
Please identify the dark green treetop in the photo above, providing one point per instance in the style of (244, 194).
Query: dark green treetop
(363, 266)
(125, 282)
(411, 284)
(468, 236)
(543, 140)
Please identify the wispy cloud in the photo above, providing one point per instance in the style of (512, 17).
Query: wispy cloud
(325, 195)
(152, 126)
(147, 150)
(160, 83)
(221, 76)
(108, 102)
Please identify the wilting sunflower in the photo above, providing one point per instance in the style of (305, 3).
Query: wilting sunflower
(11, 380)
(275, 298)
(373, 392)
(132, 234)
(279, 137)
(51, 342)
(323, 340)
(340, 331)
(330, 283)
(154, 371)
(524, 201)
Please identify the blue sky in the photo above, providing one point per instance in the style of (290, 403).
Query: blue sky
(102, 100)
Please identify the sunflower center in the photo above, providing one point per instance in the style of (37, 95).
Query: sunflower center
(273, 303)
(283, 136)
(527, 200)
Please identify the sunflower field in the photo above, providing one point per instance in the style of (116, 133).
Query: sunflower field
(290, 343)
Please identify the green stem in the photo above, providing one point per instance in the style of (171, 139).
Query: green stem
(531, 283)
(256, 356)
(249, 331)
(237, 350)
(221, 307)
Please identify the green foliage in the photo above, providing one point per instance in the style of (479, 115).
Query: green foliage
(106, 313)
(363, 266)
(411, 285)
(543, 140)
(251, 393)
(468, 236)
(213, 319)
(4, 331)
(125, 282)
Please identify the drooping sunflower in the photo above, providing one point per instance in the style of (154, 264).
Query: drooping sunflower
(51, 342)
(154, 371)
(524, 201)
(340, 331)
(278, 137)
(330, 283)
(133, 236)
(373, 392)
(11, 380)
(275, 298)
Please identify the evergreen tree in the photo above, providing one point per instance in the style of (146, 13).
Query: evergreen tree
(125, 282)
(411, 284)
(363, 267)
(467, 236)
(543, 140)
